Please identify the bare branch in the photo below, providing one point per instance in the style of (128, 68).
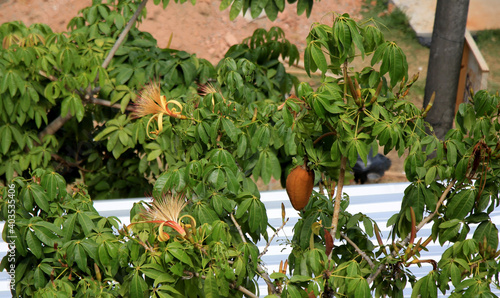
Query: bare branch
(358, 250)
(338, 198)
(420, 226)
(124, 33)
(107, 103)
(57, 123)
(54, 126)
(245, 291)
(272, 237)
(238, 227)
(261, 270)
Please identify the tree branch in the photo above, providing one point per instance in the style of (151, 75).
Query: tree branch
(57, 123)
(239, 288)
(358, 250)
(272, 237)
(54, 126)
(338, 198)
(122, 36)
(394, 253)
(107, 103)
(261, 270)
(238, 227)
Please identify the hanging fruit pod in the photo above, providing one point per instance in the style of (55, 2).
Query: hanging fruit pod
(299, 186)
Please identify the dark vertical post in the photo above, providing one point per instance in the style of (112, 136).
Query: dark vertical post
(445, 62)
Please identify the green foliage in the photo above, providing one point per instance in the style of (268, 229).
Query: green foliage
(210, 146)
(48, 77)
(270, 8)
(85, 254)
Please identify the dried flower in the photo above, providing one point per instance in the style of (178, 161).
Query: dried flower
(150, 101)
(165, 211)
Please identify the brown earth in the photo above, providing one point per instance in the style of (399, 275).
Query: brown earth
(201, 29)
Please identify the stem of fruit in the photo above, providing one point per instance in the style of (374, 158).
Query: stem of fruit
(338, 198)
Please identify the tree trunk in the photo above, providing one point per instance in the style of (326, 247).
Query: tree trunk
(445, 63)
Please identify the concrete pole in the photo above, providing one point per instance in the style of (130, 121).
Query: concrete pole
(445, 62)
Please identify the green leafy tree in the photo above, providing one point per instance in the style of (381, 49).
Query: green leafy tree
(206, 148)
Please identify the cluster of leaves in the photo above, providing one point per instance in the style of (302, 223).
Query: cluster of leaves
(242, 129)
(455, 181)
(64, 248)
(49, 78)
(270, 8)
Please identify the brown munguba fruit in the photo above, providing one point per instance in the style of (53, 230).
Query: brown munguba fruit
(299, 186)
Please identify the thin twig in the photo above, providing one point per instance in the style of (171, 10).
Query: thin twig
(57, 123)
(124, 33)
(261, 270)
(107, 103)
(440, 201)
(338, 198)
(374, 275)
(358, 250)
(272, 237)
(239, 288)
(238, 227)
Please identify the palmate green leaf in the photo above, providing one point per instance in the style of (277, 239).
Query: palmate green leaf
(460, 204)
(232, 181)
(40, 280)
(449, 233)
(85, 222)
(6, 137)
(138, 286)
(39, 196)
(271, 9)
(33, 244)
(235, 9)
(204, 213)
(69, 226)
(357, 39)
(363, 289)
(54, 184)
(123, 74)
(230, 129)
(342, 35)
(379, 54)
(217, 178)
(177, 251)
(280, 4)
(430, 175)
(398, 68)
(319, 57)
(487, 230)
(210, 285)
(309, 64)
(80, 257)
(45, 235)
(414, 196)
(156, 272)
(304, 5)
(256, 8)
(243, 207)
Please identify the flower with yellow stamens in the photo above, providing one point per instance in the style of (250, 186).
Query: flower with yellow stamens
(150, 101)
(165, 212)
